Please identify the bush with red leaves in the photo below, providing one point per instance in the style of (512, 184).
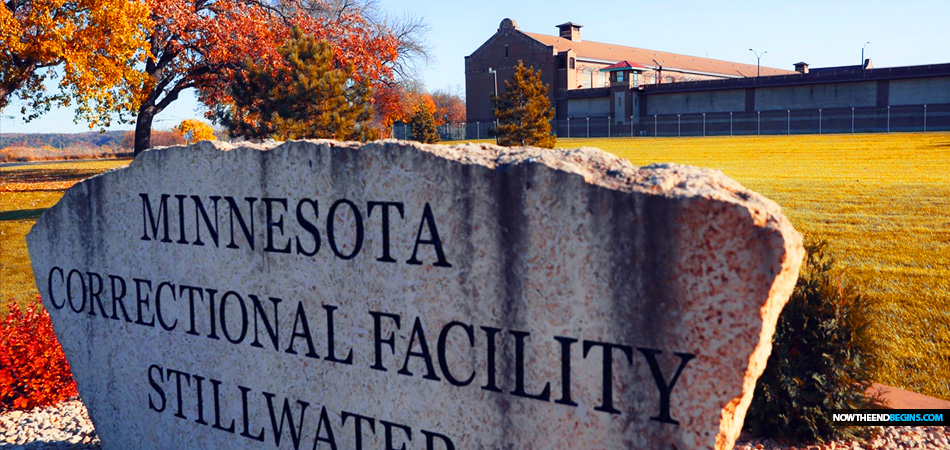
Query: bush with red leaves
(33, 368)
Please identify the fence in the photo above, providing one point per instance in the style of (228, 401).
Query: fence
(447, 132)
(802, 121)
(909, 118)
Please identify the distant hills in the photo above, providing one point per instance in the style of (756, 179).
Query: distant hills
(89, 140)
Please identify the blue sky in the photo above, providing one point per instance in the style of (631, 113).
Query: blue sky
(822, 33)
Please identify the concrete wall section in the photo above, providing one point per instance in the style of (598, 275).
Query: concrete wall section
(583, 107)
(835, 95)
(920, 91)
(696, 102)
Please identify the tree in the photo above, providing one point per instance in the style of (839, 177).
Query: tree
(398, 102)
(395, 98)
(195, 130)
(523, 111)
(423, 126)
(412, 48)
(202, 44)
(97, 44)
(449, 107)
(306, 97)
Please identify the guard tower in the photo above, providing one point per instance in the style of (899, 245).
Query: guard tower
(624, 78)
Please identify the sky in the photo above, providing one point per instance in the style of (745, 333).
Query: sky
(821, 33)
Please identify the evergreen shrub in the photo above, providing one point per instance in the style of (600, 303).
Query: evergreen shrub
(822, 359)
(423, 126)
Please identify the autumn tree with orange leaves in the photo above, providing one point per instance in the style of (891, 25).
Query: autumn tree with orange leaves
(398, 102)
(449, 107)
(97, 44)
(201, 43)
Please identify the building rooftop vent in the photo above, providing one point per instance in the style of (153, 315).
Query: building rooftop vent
(570, 31)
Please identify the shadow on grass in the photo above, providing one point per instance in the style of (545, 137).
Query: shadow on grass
(48, 175)
(22, 214)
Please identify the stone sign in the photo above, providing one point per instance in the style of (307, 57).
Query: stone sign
(326, 295)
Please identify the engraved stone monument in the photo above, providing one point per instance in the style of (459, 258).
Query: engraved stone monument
(327, 295)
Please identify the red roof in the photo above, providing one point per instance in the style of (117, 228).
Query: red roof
(669, 61)
(625, 65)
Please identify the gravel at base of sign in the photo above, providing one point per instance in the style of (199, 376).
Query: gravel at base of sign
(67, 426)
(890, 438)
(62, 426)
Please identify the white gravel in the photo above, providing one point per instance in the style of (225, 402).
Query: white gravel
(927, 437)
(60, 427)
(67, 426)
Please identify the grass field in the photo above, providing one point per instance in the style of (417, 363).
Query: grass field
(882, 201)
(25, 192)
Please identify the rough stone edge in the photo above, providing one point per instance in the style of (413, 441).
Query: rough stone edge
(601, 168)
(595, 165)
(734, 413)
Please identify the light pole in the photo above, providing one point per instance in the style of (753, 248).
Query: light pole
(758, 61)
(495, 78)
(862, 53)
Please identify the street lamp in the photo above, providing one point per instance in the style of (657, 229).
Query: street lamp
(862, 53)
(758, 62)
(495, 77)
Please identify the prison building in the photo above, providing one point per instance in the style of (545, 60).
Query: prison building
(569, 63)
(611, 90)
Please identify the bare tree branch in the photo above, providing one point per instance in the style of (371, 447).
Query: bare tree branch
(413, 49)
